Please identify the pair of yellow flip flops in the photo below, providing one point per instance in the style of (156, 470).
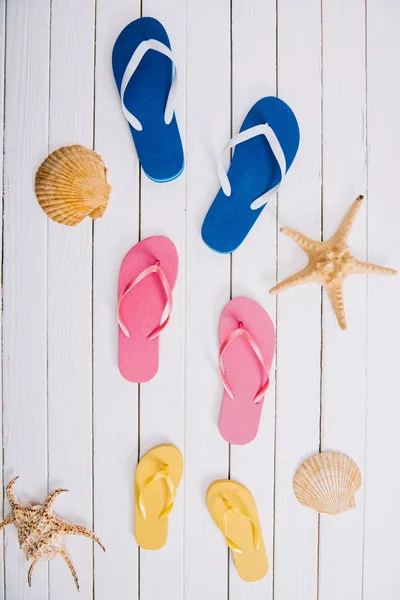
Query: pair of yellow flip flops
(231, 505)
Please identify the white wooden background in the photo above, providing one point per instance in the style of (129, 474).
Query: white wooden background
(68, 417)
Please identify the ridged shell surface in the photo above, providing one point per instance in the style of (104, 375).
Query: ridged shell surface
(71, 184)
(327, 482)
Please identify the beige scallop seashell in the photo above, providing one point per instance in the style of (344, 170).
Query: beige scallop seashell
(71, 184)
(327, 482)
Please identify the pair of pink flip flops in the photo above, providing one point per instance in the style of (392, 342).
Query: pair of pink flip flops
(247, 337)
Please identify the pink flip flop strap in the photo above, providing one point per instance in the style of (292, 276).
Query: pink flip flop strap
(158, 271)
(240, 331)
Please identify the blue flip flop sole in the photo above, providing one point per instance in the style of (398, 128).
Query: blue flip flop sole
(254, 171)
(158, 145)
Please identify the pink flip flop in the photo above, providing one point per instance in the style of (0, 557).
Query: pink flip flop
(146, 279)
(247, 346)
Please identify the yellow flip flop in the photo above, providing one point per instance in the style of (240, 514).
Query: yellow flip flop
(158, 476)
(234, 510)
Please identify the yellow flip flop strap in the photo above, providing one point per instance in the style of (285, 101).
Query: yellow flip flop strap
(234, 509)
(161, 474)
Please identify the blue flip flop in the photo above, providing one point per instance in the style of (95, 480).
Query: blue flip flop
(145, 75)
(268, 142)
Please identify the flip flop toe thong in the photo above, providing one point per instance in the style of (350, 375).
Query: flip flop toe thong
(158, 476)
(145, 74)
(234, 511)
(146, 280)
(247, 346)
(265, 149)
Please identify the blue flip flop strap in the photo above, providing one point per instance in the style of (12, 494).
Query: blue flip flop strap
(243, 136)
(130, 70)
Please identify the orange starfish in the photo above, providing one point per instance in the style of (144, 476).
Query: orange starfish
(330, 262)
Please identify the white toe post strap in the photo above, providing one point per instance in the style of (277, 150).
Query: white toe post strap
(243, 136)
(131, 68)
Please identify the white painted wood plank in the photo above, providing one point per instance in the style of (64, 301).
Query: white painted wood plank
(162, 400)
(2, 56)
(207, 292)
(25, 256)
(70, 296)
(299, 309)
(115, 399)
(182, 404)
(344, 353)
(382, 484)
(254, 269)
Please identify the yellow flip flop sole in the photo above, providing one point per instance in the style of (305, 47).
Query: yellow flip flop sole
(234, 511)
(158, 476)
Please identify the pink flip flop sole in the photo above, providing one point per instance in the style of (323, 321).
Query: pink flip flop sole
(142, 307)
(240, 416)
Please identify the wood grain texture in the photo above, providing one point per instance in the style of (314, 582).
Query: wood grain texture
(299, 310)
(70, 419)
(25, 276)
(69, 296)
(382, 483)
(2, 57)
(251, 276)
(207, 292)
(162, 400)
(115, 401)
(344, 352)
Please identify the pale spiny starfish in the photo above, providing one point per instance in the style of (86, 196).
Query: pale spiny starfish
(330, 262)
(40, 532)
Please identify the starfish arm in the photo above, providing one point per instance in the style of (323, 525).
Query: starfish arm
(7, 521)
(368, 268)
(31, 568)
(52, 496)
(81, 530)
(303, 276)
(68, 560)
(344, 230)
(335, 293)
(304, 242)
(12, 498)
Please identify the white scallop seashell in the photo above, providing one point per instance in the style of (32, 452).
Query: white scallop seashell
(327, 482)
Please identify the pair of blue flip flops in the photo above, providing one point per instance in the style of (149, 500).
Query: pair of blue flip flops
(267, 143)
